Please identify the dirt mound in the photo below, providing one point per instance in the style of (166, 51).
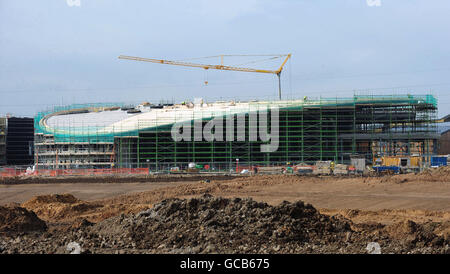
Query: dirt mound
(412, 233)
(442, 172)
(53, 198)
(403, 217)
(443, 230)
(59, 206)
(209, 224)
(18, 219)
(81, 223)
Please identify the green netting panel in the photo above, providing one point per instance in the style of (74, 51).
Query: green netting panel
(89, 134)
(98, 134)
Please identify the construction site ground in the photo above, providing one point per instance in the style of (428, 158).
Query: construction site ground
(409, 213)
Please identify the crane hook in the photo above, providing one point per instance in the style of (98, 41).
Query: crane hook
(206, 77)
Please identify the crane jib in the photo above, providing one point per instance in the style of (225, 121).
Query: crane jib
(218, 67)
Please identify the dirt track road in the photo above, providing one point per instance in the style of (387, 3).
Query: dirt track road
(328, 192)
(355, 194)
(84, 191)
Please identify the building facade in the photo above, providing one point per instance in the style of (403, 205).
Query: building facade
(3, 130)
(444, 143)
(307, 130)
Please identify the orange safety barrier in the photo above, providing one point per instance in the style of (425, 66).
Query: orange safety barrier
(10, 172)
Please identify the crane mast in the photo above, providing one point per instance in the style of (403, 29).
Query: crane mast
(217, 67)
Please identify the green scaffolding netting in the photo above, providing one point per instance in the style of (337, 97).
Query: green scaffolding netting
(99, 134)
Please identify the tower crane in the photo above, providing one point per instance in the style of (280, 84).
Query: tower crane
(221, 66)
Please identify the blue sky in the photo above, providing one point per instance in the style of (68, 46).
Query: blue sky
(52, 53)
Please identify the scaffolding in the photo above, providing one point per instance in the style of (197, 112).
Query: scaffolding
(323, 129)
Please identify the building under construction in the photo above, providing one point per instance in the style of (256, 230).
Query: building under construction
(3, 128)
(309, 130)
(16, 141)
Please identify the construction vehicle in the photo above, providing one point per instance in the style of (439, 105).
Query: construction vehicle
(397, 164)
(221, 66)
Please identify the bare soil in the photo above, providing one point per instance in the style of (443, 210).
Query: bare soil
(405, 213)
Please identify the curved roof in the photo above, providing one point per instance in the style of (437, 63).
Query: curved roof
(97, 124)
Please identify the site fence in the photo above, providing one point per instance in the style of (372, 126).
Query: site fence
(24, 172)
(235, 168)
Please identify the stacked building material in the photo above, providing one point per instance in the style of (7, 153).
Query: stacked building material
(304, 170)
(340, 169)
(322, 168)
(270, 170)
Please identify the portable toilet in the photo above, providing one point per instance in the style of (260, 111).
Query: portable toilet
(359, 163)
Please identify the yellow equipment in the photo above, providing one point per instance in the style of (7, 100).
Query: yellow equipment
(400, 161)
(219, 67)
